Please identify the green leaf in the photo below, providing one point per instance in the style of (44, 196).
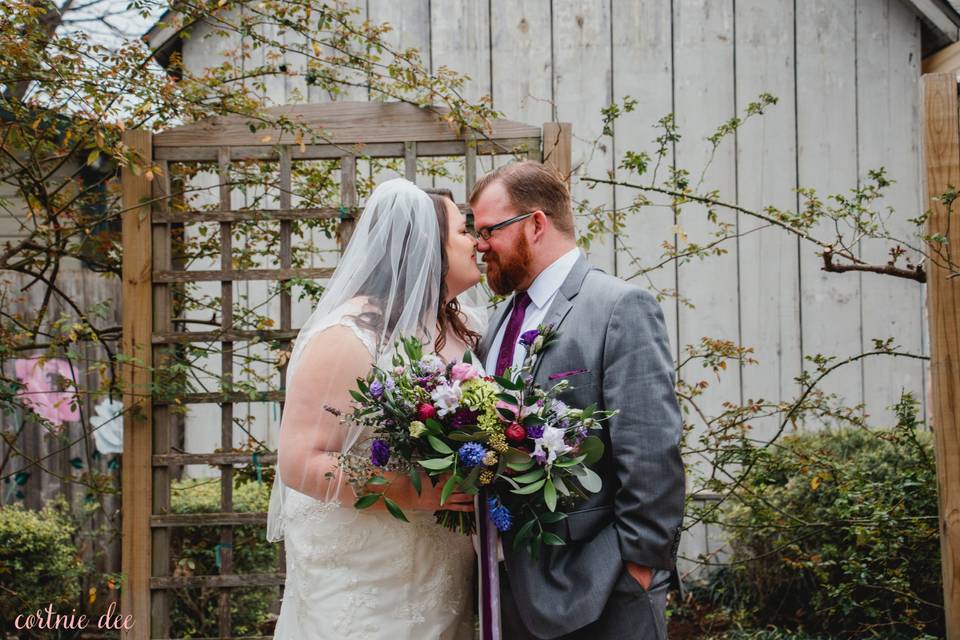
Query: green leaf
(516, 455)
(434, 427)
(378, 480)
(506, 397)
(506, 413)
(367, 500)
(506, 383)
(589, 480)
(357, 396)
(523, 533)
(467, 357)
(395, 509)
(437, 464)
(550, 495)
(460, 436)
(448, 487)
(531, 419)
(527, 478)
(592, 448)
(415, 480)
(552, 518)
(552, 538)
(569, 462)
(521, 466)
(530, 488)
(438, 445)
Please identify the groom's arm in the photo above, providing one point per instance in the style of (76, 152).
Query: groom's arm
(638, 380)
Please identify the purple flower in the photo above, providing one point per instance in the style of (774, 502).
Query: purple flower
(379, 453)
(463, 417)
(376, 389)
(527, 337)
(472, 453)
(535, 431)
(390, 384)
(500, 515)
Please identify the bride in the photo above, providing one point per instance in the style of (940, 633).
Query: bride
(365, 574)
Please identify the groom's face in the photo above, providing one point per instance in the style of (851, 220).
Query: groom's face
(507, 251)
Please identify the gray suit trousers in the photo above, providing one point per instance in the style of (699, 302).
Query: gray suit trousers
(630, 614)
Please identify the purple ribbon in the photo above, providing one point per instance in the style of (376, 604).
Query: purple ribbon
(489, 570)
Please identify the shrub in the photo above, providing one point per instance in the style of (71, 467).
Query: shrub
(194, 551)
(838, 533)
(39, 561)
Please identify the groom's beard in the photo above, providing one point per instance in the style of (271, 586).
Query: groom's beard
(505, 273)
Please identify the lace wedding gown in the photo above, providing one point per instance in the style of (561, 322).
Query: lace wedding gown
(365, 575)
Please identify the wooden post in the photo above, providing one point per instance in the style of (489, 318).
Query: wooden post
(941, 145)
(137, 300)
(558, 147)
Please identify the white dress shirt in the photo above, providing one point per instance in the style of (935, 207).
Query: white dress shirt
(542, 292)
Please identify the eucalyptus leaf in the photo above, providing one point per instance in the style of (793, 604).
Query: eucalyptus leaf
(530, 488)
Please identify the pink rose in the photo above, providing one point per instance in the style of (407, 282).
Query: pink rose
(463, 372)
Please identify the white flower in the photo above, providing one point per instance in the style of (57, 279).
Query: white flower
(430, 363)
(552, 442)
(446, 398)
(560, 408)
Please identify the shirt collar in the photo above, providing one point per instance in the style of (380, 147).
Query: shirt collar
(551, 279)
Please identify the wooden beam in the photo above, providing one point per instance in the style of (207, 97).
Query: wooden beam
(947, 60)
(558, 147)
(137, 296)
(941, 146)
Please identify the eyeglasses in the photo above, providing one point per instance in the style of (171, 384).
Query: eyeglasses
(486, 232)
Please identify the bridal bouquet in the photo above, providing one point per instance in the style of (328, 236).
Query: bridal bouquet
(468, 430)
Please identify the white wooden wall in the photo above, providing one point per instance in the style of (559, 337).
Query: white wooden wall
(846, 73)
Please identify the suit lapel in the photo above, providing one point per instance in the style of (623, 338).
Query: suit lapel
(492, 329)
(563, 301)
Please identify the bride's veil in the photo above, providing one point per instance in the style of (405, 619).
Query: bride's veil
(386, 285)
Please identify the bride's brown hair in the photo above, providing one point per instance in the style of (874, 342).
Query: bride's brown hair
(448, 314)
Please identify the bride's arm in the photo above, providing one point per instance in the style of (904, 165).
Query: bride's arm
(311, 437)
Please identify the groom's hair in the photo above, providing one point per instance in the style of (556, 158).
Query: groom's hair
(531, 186)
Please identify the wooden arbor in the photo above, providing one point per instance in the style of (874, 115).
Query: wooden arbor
(351, 131)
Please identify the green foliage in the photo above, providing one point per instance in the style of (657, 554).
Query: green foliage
(39, 562)
(197, 551)
(837, 532)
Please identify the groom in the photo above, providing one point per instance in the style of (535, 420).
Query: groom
(611, 578)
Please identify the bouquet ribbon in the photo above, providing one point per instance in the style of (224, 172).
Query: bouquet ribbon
(489, 570)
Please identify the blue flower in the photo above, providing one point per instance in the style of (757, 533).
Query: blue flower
(472, 453)
(376, 389)
(500, 515)
(379, 453)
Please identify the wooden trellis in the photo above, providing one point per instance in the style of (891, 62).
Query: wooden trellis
(351, 131)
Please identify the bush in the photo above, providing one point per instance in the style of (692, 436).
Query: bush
(838, 533)
(39, 561)
(194, 551)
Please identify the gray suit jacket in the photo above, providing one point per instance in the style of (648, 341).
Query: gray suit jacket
(616, 331)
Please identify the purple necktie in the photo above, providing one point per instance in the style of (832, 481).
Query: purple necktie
(505, 358)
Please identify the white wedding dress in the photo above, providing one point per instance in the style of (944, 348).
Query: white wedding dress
(365, 575)
(354, 574)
